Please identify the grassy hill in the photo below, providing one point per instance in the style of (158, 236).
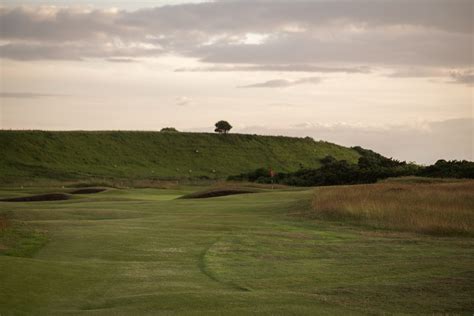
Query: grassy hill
(147, 155)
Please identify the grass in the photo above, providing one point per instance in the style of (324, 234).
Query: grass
(143, 251)
(18, 239)
(147, 156)
(440, 208)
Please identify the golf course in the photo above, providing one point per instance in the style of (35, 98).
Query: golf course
(235, 157)
(126, 251)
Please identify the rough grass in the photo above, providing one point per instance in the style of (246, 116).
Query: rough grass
(434, 208)
(27, 155)
(419, 180)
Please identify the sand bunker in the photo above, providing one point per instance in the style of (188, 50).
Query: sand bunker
(217, 193)
(39, 198)
(88, 191)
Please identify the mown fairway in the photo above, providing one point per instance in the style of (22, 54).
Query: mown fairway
(143, 251)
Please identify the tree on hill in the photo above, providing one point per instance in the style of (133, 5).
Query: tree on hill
(222, 127)
(169, 130)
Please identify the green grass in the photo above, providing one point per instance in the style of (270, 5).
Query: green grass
(142, 251)
(19, 240)
(28, 155)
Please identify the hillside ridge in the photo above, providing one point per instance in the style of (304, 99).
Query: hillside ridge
(145, 154)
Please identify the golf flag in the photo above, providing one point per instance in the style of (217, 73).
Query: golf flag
(272, 173)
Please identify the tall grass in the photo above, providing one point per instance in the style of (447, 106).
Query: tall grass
(436, 208)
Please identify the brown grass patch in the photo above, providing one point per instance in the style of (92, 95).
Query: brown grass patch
(435, 208)
(3, 222)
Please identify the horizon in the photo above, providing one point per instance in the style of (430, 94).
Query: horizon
(393, 76)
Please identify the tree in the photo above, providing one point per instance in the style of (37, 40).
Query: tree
(222, 127)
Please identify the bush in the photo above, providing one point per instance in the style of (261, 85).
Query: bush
(169, 130)
(449, 169)
(370, 168)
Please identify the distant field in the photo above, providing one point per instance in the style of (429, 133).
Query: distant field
(440, 208)
(144, 251)
(28, 156)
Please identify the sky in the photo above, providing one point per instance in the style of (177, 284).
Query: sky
(395, 76)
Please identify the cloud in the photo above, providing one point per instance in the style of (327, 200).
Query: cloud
(463, 77)
(263, 16)
(55, 24)
(424, 143)
(283, 83)
(183, 101)
(370, 47)
(279, 68)
(121, 60)
(75, 51)
(415, 72)
(310, 36)
(27, 95)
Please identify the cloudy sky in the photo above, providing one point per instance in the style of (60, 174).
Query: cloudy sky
(396, 76)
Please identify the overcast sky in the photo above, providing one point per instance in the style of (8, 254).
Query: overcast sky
(396, 76)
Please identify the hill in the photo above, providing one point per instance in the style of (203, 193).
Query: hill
(146, 155)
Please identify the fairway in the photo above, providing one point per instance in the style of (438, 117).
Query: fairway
(145, 251)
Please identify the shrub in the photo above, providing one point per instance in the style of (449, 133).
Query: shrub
(169, 130)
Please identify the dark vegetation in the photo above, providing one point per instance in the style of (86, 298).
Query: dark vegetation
(449, 169)
(370, 168)
(39, 198)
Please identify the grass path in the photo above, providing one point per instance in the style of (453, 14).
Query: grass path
(142, 251)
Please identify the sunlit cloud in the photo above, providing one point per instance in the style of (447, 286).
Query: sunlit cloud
(283, 83)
